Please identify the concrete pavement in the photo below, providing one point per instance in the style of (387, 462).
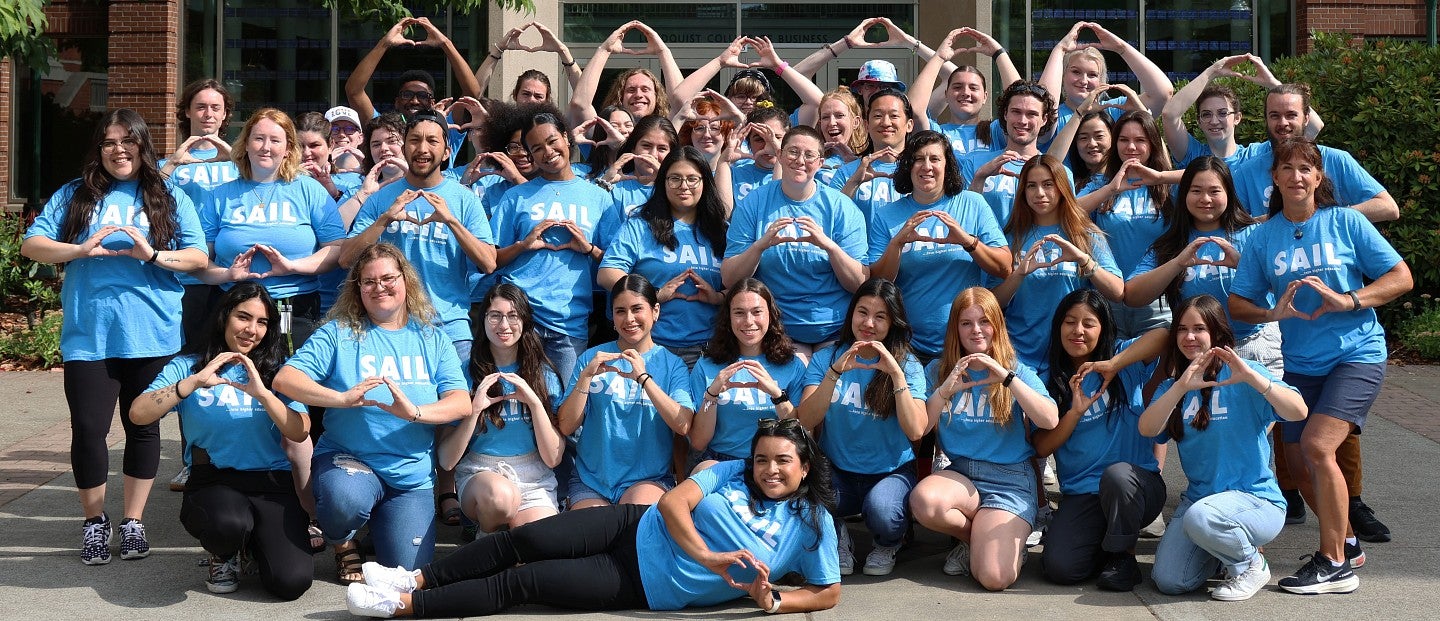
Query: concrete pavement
(41, 576)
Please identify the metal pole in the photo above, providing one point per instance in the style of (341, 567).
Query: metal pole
(1430, 22)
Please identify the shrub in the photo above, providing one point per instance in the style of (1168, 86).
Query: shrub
(38, 346)
(1421, 333)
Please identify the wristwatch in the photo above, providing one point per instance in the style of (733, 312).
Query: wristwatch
(783, 397)
(775, 607)
(1355, 297)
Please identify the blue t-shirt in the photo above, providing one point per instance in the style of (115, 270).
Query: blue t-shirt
(1344, 250)
(1028, 315)
(738, 409)
(630, 194)
(232, 427)
(1102, 437)
(682, 323)
(557, 281)
(1215, 280)
(855, 438)
(1199, 148)
(967, 428)
(197, 180)
(517, 437)
(932, 274)
(432, 248)
(828, 169)
(746, 176)
(873, 193)
(421, 359)
(799, 274)
(1233, 453)
(296, 218)
(118, 307)
(1131, 224)
(774, 531)
(1353, 184)
(624, 439)
(963, 138)
(999, 189)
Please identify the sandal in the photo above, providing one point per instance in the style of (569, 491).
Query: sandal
(451, 516)
(348, 563)
(317, 537)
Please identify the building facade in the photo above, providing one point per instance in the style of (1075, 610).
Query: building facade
(296, 55)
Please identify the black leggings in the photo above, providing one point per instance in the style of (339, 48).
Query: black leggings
(228, 510)
(581, 559)
(91, 389)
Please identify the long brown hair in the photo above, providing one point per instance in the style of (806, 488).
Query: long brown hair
(156, 201)
(1077, 227)
(1159, 159)
(1000, 400)
(880, 392)
(530, 355)
(1173, 362)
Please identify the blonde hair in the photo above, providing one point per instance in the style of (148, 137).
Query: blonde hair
(859, 138)
(1000, 399)
(1090, 54)
(289, 167)
(350, 312)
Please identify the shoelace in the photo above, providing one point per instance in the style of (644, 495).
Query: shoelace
(95, 533)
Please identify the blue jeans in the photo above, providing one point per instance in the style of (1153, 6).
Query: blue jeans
(882, 499)
(462, 349)
(349, 494)
(562, 349)
(1221, 528)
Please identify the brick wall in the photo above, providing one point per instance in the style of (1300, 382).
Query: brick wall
(145, 63)
(1361, 18)
(7, 88)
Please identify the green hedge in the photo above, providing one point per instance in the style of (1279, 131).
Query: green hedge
(1382, 104)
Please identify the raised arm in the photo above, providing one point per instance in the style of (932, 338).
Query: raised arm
(809, 93)
(469, 85)
(1155, 87)
(359, 78)
(685, 90)
(582, 99)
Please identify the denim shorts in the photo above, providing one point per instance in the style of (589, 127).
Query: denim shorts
(1264, 347)
(1346, 393)
(529, 473)
(580, 491)
(1008, 487)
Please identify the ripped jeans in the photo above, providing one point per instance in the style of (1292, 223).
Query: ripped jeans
(348, 494)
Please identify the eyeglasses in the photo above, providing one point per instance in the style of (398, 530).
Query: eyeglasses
(706, 128)
(386, 281)
(421, 96)
(514, 149)
(784, 424)
(1218, 114)
(109, 146)
(677, 181)
(495, 318)
(796, 155)
(346, 129)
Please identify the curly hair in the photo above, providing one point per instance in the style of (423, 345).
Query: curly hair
(905, 165)
(1028, 88)
(349, 309)
(390, 121)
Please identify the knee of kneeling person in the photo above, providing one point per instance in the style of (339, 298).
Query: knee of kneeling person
(1063, 571)
(997, 580)
(288, 586)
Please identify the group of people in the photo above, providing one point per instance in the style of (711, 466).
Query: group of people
(657, 353)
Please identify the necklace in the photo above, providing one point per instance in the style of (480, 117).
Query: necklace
(264, 204)
(1299, 226)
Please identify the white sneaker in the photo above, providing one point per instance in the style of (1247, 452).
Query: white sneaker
(957, 562)
(1154, 530)
(364, 600)
(1047, 475)
(397, 579)
(1042, 523)
(1245, 585)
(181, 478)
(940, 462)
(880, 561)
(847, 551)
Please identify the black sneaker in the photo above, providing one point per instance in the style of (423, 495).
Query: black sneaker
(95, 544)
(1319, 576)
(1294, 506)
(1121, 573)
(1367, 527)
(1355, 555)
